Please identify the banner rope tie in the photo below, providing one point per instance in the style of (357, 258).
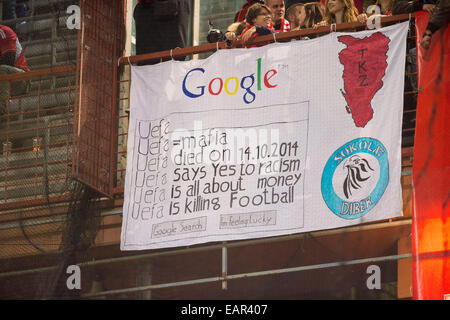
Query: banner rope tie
(331, 27)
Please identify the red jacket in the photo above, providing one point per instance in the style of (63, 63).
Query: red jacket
(359, 5)
(284, 26)
(10, 43)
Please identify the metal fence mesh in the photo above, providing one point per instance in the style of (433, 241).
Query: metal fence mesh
(36, 139)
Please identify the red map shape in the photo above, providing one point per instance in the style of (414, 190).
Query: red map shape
(365, 64)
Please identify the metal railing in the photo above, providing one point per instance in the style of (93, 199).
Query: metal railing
(36, 136)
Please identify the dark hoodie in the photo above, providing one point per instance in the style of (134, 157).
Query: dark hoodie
(440, 17)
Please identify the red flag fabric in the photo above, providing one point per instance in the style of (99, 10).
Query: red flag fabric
(431, 178)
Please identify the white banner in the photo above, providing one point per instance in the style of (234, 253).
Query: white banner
(281, 139)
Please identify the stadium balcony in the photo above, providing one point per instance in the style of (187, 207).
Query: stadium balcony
(41, 159)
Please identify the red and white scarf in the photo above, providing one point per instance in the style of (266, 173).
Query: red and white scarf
(285, 26)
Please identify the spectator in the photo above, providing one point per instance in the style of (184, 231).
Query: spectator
(258, 21)
(12, 61)
(161, 25)
(295, 14)
(240, 15)
(314, 13)
(307, 15)
(405, 6)
(279, 22)
(439, 19)
(338, 11)
(21, 9)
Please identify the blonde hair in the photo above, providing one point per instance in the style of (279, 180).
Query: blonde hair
(350, 12)
(291, 9)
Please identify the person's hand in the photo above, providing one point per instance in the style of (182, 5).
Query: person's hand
(428, 8)
(362, 18)
(248, 34)
(320, 24)
(231, 36)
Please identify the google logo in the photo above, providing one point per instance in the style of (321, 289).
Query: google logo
(230, 85)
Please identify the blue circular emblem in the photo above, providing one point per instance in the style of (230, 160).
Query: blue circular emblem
(355, 177)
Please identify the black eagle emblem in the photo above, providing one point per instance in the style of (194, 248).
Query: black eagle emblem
(356, 167)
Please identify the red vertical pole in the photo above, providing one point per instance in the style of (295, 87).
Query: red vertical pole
(431, 174)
